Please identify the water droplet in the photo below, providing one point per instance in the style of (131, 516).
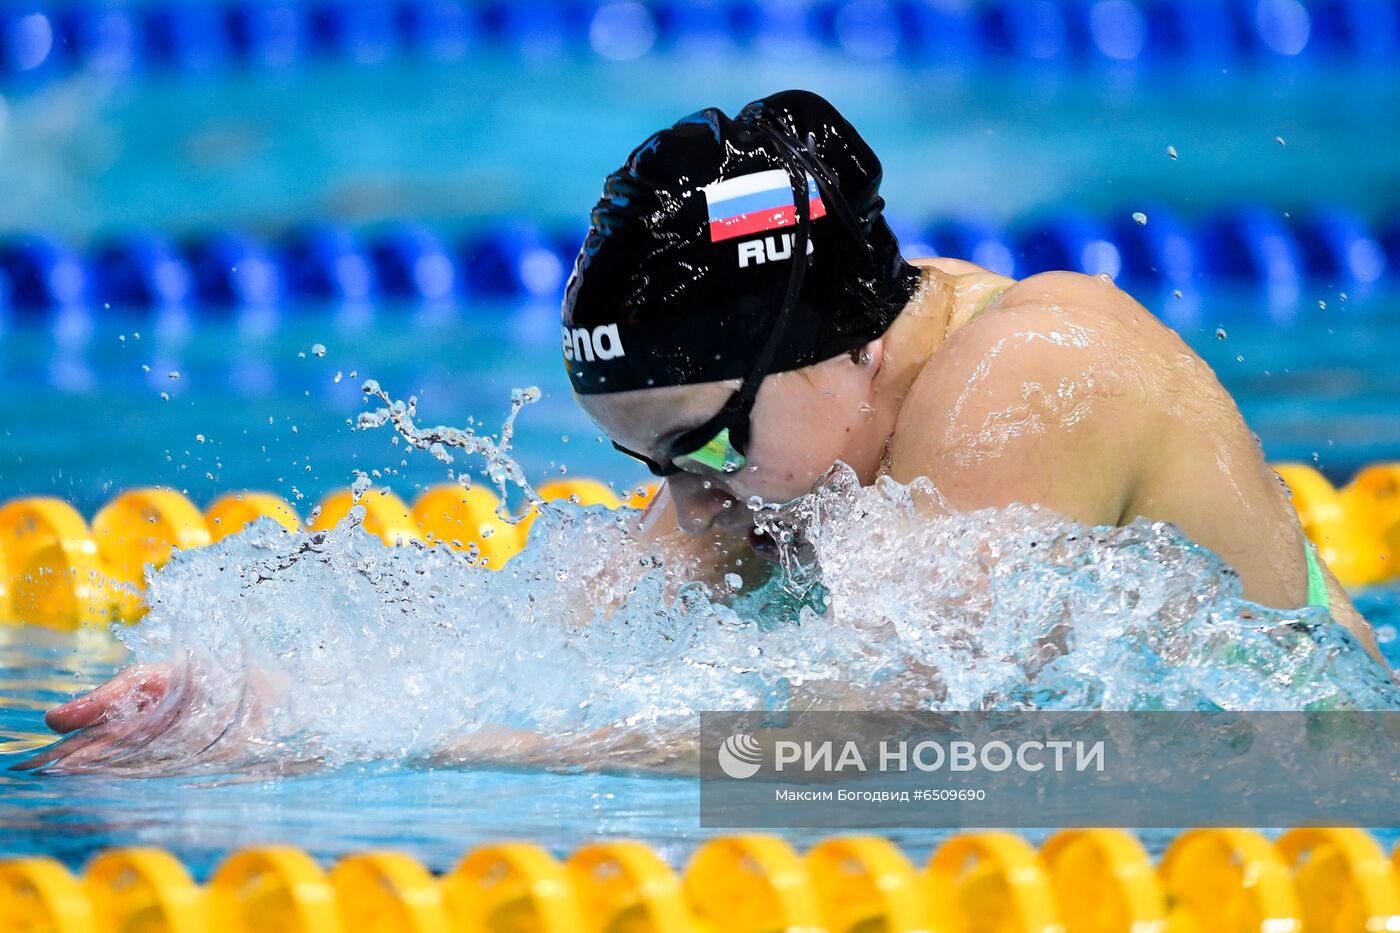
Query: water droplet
(165, 396)
(1171, 153)
(755, 502)
(1279, 140)
(1322, 305)
(145, 368)
(1139, 217)
(734, 582)
(1220, 333)
(318, 349)
(199, 437)
(1176, 293)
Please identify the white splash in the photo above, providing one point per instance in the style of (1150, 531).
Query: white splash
(296, 649)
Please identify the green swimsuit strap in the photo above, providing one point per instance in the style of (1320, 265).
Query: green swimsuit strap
(1318, 597)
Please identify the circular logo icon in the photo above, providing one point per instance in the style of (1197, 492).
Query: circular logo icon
(740, 756)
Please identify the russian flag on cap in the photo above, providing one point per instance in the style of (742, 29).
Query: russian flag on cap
(756, 202)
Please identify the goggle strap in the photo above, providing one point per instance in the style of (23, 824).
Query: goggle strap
(742, 401)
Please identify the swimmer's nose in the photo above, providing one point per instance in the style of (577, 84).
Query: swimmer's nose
(697, 508)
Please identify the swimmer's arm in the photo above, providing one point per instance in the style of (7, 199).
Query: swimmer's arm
(1345, 614)
(1009, 415)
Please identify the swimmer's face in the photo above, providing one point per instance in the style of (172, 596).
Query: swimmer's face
(803, 422)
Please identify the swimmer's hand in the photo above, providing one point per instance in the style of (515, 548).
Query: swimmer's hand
(156, 717)
(134, 689)
(104, 718)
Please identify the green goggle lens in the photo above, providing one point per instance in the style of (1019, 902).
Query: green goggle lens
(716, 454)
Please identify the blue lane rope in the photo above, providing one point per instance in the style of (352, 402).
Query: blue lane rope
(44, 41)
(1150, 249)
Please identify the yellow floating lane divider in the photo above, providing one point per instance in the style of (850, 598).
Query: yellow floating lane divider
(580, 492)
(229, 514)
(39, 894)
(1343, 880)
(1080, 881)
(866, 883)
(991, 881)
(1104, 882)
(1356, 529)
(143, 889)
(272, 888)
(53, 575)
(466, 518)
(511, 886)
(584, 492)
(386, 515)
(751, 883)
(639, 497)
(56, 570)
(1229, 881)
(143, 526)
(1373, 497)
(388, 892)
(626, 886)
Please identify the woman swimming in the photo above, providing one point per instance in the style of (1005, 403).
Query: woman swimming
(740, 319)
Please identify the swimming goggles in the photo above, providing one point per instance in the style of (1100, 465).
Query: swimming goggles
(718, 445)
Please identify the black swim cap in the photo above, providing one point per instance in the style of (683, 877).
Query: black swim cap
(687, 260)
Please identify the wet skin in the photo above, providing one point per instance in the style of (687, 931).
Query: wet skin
(1063, 392)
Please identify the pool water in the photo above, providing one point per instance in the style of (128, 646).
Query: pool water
(493, 137)
(432, 812)
(273, 416)
(97, 403)
(124, 401)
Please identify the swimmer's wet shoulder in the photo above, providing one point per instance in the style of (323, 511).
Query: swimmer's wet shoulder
(1017, 405)
(1067, 393)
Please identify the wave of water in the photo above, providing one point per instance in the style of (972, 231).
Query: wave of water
(588, 649)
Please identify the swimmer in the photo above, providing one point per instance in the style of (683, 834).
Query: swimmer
(740, 319)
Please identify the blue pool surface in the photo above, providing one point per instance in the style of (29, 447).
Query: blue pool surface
(435, 815)
(99, 401)
(465, 143)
